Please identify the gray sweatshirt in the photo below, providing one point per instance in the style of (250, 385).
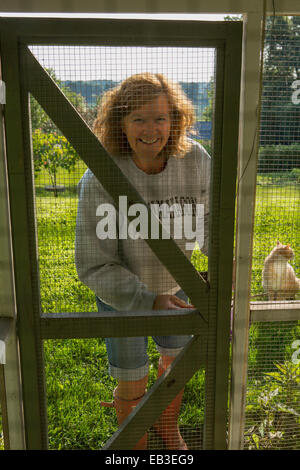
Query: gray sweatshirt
(111, 256)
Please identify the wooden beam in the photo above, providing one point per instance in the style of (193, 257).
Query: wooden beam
(120, 324)
(275, 311)
(246, 190)
(288, 7)
(151, 33)
(225, 247)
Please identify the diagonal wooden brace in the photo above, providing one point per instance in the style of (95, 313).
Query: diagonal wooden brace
(191, 358)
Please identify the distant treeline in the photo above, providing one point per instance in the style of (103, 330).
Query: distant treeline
(278, 158)
(91, 90)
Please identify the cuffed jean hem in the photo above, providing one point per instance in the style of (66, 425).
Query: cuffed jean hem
(172, 352)
(129, 374)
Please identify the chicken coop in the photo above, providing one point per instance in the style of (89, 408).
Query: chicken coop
(79, 236)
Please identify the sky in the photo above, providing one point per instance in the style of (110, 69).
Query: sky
(117, 63)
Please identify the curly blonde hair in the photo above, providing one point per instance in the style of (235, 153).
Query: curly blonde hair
(132, 94)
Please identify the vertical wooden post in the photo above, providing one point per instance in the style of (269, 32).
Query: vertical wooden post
(11, 402)
(23, 240)
(221, 239)
(248, 140)
(228, 175)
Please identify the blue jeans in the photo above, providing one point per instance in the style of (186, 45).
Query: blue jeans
(127, 357)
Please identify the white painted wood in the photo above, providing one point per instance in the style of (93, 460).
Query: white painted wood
(275, 311)
(249, 125)
(9, 355)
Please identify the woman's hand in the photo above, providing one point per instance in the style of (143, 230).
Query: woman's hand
(169, 302)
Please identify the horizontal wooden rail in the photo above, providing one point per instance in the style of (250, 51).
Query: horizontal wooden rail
(121, 324)
(163, 322)
(281, 310)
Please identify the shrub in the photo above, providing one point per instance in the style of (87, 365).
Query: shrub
(278, 158)
(52, 151)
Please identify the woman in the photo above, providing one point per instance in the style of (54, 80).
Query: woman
(143, 123)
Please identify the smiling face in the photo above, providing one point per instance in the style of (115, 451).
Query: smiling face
(147, 130)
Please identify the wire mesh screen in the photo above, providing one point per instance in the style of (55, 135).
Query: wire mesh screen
(277, 201)
(272, 405)
(273, 394)
(152, 109)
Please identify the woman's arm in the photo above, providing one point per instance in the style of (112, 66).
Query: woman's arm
(98, 262)
(169, 302)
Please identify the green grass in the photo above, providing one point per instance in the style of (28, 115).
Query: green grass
(76, 370)
(277, 218)
(63, 177)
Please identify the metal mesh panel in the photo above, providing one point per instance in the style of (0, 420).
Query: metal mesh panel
(277, 200)
(68, 284)
(59, 170)
(272, 403)
(273, 388)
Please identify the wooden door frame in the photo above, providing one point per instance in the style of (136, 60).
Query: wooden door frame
(210, 321)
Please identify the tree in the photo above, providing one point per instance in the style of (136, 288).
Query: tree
(207, 114)
(280, 117)
(52, 151)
